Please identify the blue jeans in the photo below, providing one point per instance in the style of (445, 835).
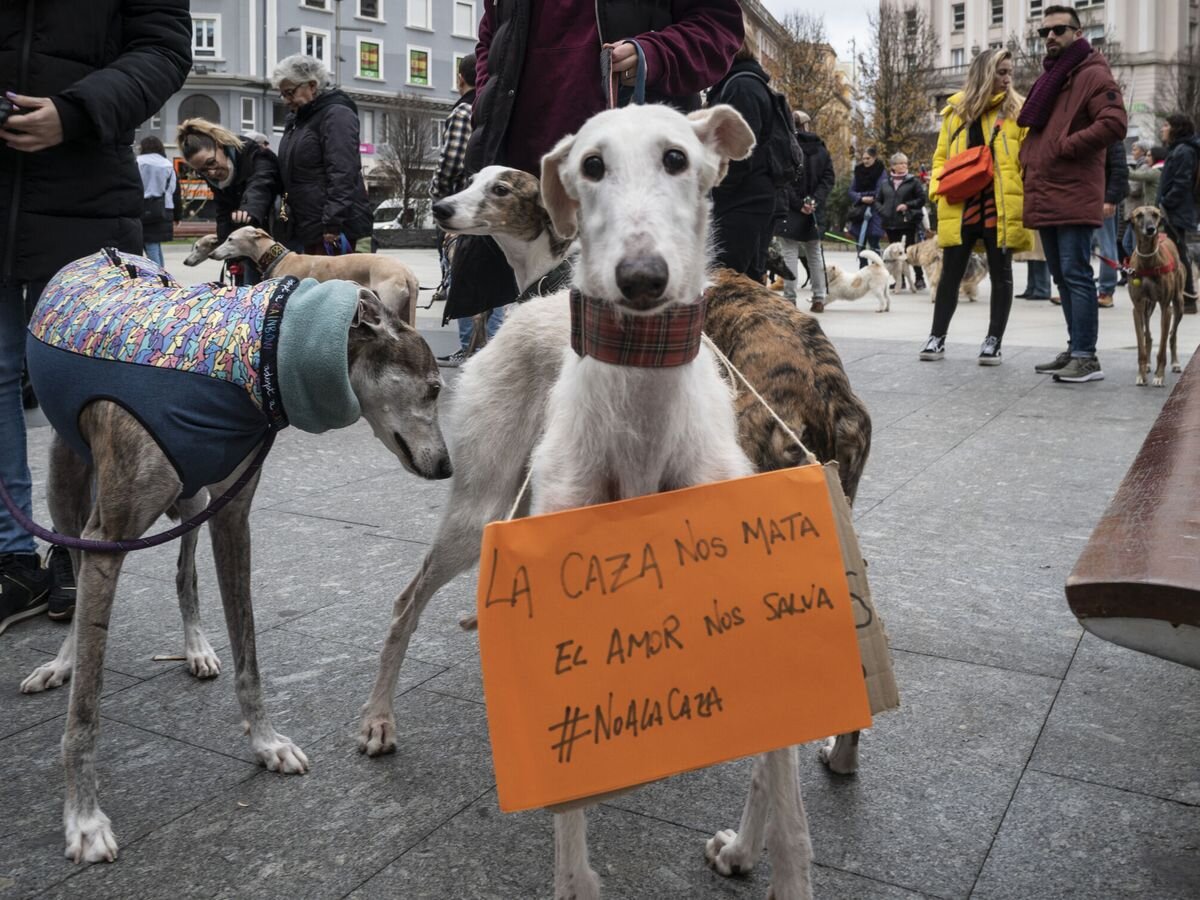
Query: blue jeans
(1037, 284)
(154, 252)
(1069, 255)
(1106, 237)
(14, 464)
(467, 324)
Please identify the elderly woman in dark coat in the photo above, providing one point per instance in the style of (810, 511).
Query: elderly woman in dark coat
(325, 197)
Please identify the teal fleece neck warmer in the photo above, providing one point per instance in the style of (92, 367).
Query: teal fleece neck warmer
(314, 363)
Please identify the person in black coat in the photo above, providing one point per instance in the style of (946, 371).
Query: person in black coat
(83, 77)
(324, 204)
(863, 222)
(803, 224)
(901, 198)
(744, 203)
(1176, 192)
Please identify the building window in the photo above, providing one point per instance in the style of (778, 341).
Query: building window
(418, 66)
(958, 56)
(200, 106)
(464, 18)
(420, 14)
(996, 45)
(997, 12)
(156, 120)
(366, 126)
(910, 23)
(454, 68)
(248, 120)
(1095, 35)
(1088, 4)
(435, 134)
(315, 43)
(370, 9)
(1035, 8)
(959, 14)
(370, 59)
(206, 37)
(316, 4)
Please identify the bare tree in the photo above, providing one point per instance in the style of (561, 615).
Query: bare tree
(807, 65)
(406, 163)
(899, 80)
(1180, 91)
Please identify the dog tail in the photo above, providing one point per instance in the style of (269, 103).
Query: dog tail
(871, 256)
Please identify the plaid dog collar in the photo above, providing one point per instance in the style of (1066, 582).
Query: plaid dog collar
(274, 254)
(661, 341)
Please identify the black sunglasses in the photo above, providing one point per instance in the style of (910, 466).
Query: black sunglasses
(1059, 30)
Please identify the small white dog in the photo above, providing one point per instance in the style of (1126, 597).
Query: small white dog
(895, 259)
(874, 281)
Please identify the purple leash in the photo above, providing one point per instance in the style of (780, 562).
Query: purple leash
(163, 537)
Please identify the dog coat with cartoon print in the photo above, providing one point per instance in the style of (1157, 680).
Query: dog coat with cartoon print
(201, 367)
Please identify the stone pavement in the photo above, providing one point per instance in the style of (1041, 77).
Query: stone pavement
(1027, 760)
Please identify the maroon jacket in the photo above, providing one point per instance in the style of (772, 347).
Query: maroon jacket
(1065, 161)
(559, 85)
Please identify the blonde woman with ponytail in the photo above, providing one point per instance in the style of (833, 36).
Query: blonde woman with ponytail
(984, 112)
(243, 175)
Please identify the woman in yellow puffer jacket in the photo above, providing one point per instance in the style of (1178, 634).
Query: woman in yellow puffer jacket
(985, 111)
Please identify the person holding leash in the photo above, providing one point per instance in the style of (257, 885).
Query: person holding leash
(324, 208)
(80, 78)
(1074, 113)
(864, 223)
(982, 115)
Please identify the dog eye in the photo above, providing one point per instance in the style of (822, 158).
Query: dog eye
(434, 390)
(593, 168)
(674, 161)
(501, 191)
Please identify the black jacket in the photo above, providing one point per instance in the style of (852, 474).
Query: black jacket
(910, 193)
(748, 183)
(1116, 174)
(108, 65)
(322, 171)
(1178, 182)
(255, 185)
(816, 182)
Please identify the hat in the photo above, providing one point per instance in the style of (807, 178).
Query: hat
(801, 117)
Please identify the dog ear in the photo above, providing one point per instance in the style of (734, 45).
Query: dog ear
(259, 233)
(562, 207)
(369, 314)
(723, 130)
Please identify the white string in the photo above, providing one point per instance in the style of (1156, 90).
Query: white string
(520, 495)
(730, 367)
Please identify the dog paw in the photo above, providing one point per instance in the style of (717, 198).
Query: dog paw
(1175, 367)
(45, 677)
(202, 660)
(1158, 381)
(280, 755)
(727, 854)
(840, 755)
(1141, 381)
(377, 733)
(468, 622)
(89, 838)
(580, 885)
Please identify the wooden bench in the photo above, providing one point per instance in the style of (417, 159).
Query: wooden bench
(1137, 582)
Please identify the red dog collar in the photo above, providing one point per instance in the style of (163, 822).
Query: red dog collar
(660, 341)
(1157, 270)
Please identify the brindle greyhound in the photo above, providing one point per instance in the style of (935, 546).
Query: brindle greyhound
(395, 380)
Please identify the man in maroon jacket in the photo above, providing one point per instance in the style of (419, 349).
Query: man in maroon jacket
(1074, 112)
(538, 79)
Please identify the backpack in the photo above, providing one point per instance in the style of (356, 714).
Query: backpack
(785, 159)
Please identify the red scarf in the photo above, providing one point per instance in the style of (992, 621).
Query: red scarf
(660, 341)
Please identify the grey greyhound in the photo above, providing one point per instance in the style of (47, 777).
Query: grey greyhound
(389, 376)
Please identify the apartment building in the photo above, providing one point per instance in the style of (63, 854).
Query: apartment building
(1150, 36)
(388, 55)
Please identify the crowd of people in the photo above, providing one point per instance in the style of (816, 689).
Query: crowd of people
(1058, 194)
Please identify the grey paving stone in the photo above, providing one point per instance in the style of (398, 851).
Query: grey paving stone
(1127, 720)
(311, 687)
(363, 621)
(1020, 437)
(889, 406)
(318, 835)
(145, 781)
(636, 857)
(400, 506)
(20, 711)
(463, 680)
(1064, 838)
(935, 779)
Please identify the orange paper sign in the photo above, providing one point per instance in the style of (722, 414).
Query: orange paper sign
(629, 641)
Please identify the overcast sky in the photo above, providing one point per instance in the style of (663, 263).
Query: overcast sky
(844, 19)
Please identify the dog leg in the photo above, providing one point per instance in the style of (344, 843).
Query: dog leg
(840, 753)
(574, 878)
(1160, 369)
(454, 550)
(735, 852)
(69, 489)
(1175, 310)
(787, 830)
(230, 533)
(202, 660)
(1143, 354)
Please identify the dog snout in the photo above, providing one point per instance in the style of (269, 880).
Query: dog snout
(444, 468)
(443, 211)
(642, 279)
